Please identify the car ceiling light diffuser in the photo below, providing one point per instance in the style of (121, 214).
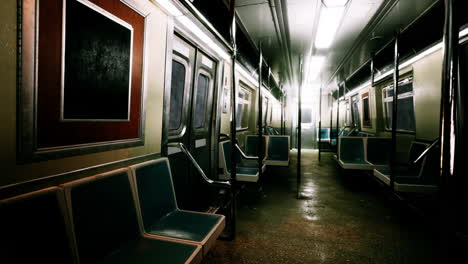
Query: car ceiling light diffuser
(330, 18)
(315, 66)
(335, 3)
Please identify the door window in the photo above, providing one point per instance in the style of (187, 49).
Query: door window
(200, 100)
(177, 95)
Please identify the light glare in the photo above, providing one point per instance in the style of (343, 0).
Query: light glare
(329, 22)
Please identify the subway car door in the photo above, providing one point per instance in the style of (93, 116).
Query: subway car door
(190, 115)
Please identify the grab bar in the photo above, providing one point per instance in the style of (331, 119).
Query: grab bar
(424, 153)
(184, 149)
(243, 154)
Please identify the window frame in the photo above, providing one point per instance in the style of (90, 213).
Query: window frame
(366, 123)
(175, 133)
(245, 90)
(207, 121)
(387, 99)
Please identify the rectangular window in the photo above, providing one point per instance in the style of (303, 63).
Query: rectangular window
(355, 111)
(265, 110)
(200, 100)
(405, 116)
(366, 117)
(243, 108)
(306, 116)
(177, 95)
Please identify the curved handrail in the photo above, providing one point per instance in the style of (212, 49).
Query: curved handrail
(223, 135)
(425, 152)
(184, 149)
(243, 154)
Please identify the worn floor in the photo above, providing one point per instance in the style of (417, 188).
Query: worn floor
(341, 218)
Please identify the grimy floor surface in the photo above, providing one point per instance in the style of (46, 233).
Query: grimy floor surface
(340, 218)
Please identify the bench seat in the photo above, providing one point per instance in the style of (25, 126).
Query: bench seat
(159, 213)
(278, 151)
(34, 228)
(417, 178)
(246, 170)
(106, 224)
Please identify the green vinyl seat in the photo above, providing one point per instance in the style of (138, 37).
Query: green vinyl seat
(245, 171)
(378, 152)
(419, 177)
(278, 151)
(106, 226)
(160, 215)
(251, 146)
(324, 135)
(352, 154)
(34, 229)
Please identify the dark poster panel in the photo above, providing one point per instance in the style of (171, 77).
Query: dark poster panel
(97, 65)
(88, 102)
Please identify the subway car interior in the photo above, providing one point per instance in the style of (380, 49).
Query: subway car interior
(233, 131)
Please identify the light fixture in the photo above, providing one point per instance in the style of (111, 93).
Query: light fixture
(330, 19)
(169, 7)
(315, 66)
(335, 3)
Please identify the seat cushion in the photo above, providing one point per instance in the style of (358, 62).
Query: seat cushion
(185, 225)
(245, 164)
(151, 251)
(248, 171)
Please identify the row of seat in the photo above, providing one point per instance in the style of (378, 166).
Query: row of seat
(275, 153)
(364, 153)
(129, 215)
(373, 154)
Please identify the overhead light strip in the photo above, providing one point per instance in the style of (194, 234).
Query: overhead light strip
(329, 22)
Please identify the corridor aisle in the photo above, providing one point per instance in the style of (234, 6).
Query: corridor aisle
(339, 219)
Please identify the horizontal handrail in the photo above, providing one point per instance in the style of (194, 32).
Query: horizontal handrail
(425, 152)
(184, 149)
(245, 156)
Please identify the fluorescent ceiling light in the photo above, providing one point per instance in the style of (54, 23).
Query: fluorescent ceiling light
(170, 7)
(315, 66)
(335, 3)
(203, 36)
(329, 22)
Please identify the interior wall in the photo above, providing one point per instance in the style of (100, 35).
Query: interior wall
(156, 25)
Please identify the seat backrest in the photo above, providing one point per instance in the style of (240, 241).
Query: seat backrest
(333, 133)
(278, 148)
(103, 214)
(324, 133)
(34, 228)
(251, 145)
(351, 149)
(379, 150)
(226, 152)
(155, 190)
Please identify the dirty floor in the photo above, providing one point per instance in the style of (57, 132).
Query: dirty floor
(340, 218)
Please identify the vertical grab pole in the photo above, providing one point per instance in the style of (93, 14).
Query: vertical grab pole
(448, 134)
(320, 123)
(330, 106)
(337, 119)
(260, 110)
(396, 76)
(232, 9)
(282, 105)
(299, 135)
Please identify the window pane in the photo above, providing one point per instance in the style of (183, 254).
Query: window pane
(306, 115)
(366, 113)
(177, 95)
(239, 111)
(406, 114)
(405, 117)
(201, 95)
(355, 111)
